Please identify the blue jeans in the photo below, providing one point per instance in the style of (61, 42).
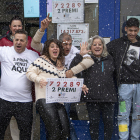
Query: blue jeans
(73, 135)
(127, 94)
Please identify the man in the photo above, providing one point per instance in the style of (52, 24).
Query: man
(15, 97)
(126, 52)
(7, 40)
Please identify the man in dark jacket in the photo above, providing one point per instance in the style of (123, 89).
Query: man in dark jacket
(125, 52)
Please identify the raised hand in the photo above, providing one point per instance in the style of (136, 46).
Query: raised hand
(45, 23)
(83, 49)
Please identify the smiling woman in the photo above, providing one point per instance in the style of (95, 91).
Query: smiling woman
(14, 25)
(50, 65)
(53, 50)
(99, 79)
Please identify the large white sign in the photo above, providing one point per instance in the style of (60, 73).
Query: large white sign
(79, 32)
(63, 90)
(67, 11)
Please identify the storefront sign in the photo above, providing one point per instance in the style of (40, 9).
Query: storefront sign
(63, 90)
(67, 11)
(79, 32)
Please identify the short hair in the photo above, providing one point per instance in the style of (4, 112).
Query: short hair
(21, 31)
(66, 36)
(132, 22)
(90, 42)
(15, 18)
(46, 49)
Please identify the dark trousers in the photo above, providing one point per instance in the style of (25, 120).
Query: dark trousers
(107, 110)
(23, 112)
(55, 119)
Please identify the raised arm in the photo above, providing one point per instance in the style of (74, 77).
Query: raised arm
(79, 63)
(36, 41)
(83, 65)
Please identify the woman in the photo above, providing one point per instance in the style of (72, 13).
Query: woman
(50, 65)
(14, 25)
(102, 95)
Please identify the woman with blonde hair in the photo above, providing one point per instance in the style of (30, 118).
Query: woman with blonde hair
(101, 96)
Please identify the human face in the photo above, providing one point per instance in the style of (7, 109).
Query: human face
(97, 47)
(132, 33)
(20, 42)
(15, 25)
(66, 46)
(54, 51)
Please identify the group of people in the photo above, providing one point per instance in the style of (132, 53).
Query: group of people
(106, 69)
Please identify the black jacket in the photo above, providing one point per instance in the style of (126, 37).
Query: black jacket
(118, 49)
(99, 79)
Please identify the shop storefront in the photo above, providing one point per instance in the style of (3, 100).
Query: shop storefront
(82, 19)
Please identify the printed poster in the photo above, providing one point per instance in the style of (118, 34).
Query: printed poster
(67, 11)
(79, 32)
(49, 7)
(63, 90)
(31, 8)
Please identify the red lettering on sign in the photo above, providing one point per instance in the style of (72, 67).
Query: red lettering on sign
(65, 84)
(73, 5)
(78, 84)
(58, 84)
(56, 4)
(71, 84)
(51, 82)
(62, 5)
(79, 5)
(68, 5)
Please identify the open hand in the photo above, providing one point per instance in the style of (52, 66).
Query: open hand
(83, 48)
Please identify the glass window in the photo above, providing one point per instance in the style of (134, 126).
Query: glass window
(10, 8)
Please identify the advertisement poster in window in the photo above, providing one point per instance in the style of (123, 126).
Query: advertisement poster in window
(67, 11)
(63, 89)
(31, 8)
(79, 32)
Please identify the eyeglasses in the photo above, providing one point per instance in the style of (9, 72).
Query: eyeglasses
(66, 44)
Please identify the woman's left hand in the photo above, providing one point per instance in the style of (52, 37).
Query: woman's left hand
(42, 83)
(85, 89)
